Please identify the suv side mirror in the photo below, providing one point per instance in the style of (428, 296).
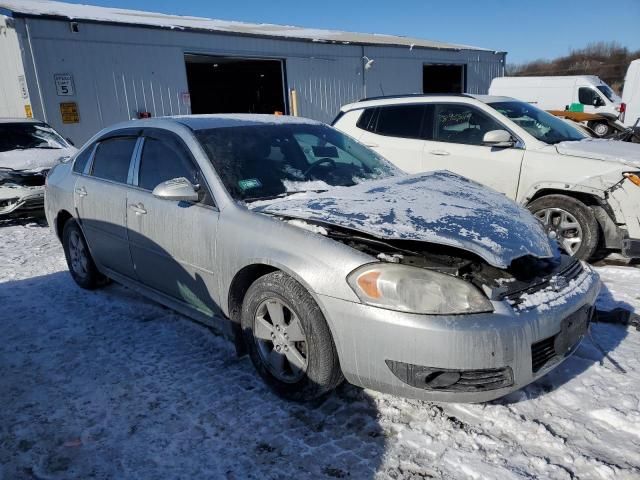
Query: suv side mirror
(176, 189)
(498, 138)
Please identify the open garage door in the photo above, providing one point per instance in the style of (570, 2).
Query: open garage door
(442, 78)
(235, 85)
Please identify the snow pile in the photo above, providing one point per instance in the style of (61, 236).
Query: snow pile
(34, 159)
(308, 226)
(551, 296)
(438, 207)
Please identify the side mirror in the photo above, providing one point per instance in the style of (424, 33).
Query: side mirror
(176, 189)
(498, 138)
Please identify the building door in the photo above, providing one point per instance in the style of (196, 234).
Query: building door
(235, 85)
(440, 78)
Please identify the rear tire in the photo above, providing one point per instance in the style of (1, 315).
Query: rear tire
(288, 339)
(554, 210)
(81, 265)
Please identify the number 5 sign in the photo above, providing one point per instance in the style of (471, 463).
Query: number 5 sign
(64, 84)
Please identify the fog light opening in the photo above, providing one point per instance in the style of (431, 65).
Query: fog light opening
(441, 379)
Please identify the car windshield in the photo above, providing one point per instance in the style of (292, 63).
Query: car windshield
(265, 161)
(607, 92)
(23, 136)
(538, 123)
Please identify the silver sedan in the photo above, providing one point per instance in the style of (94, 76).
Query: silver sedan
(320, 259)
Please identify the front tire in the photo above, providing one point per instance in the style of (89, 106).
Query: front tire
(571, 222)
(288, 339)
(81, 265)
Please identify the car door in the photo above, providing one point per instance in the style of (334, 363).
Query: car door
(395, 133)
(591, 99)
(172, 243)
(455, 144)
(100, 196)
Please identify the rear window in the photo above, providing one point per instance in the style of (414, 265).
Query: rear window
(400, 121)
(24, 136)
(112, 159)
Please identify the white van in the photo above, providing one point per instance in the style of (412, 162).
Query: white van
(631, 94)
(559, 93)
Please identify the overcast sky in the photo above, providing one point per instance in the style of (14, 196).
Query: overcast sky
(527, 29)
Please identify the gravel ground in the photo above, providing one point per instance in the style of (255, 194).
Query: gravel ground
(106, 384)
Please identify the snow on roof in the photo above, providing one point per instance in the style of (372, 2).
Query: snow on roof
(137, 17)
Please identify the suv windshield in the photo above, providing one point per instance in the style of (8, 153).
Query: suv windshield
(542, 125)
(265, 161)
(22, 136)
(607, 92)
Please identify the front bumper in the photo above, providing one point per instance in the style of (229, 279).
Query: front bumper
(625, 201)
(18, 200)
(371, 341)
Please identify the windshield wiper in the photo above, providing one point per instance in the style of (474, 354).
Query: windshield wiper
(280, 195)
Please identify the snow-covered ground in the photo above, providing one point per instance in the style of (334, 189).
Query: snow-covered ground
(106, 384)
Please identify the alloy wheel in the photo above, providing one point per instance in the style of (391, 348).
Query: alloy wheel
(78, 255)
(562, 226)
(281, 341)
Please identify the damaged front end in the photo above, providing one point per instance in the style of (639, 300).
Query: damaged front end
(22, 191)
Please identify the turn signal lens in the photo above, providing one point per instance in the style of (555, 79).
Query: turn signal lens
(635, 179)
(368, 283)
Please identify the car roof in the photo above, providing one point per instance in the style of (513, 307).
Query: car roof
(19, 120)
(422, 97)
(205, 122)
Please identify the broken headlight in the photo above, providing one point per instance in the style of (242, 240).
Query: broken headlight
(416, 290)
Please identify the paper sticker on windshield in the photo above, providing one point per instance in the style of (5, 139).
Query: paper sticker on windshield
(249, 183)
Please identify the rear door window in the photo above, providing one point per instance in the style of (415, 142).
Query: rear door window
(112, 159)
(404, 121)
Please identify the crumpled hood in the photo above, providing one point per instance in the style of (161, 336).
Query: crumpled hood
(626, 153)
(437, 207)
(34, 158)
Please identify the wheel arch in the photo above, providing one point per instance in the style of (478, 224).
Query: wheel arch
(590, 199)
(62, 218)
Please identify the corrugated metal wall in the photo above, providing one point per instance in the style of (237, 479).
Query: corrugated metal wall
(121, 70)
(14, 94)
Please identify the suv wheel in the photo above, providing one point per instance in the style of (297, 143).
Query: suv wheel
(79, 260)
(288, 339)
(570, 222)
(601, 129)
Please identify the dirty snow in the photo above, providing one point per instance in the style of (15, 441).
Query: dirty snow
(106, 384)
(439, 207)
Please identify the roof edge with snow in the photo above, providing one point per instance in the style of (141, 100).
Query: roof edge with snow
(90, 13)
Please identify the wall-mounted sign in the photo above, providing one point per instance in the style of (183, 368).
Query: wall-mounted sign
(28, 112)
(64, 84)
(22, 84)
(69, 112)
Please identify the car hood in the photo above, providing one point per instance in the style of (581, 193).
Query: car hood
(625, 153)
(34, 159)
(437, 207)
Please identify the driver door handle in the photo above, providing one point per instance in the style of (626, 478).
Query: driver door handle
(81, 191)
(138, 208)
(442, 153)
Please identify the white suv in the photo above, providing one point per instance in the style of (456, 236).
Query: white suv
(586, 191)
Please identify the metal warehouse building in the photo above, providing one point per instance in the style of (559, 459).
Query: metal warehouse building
(81, 67)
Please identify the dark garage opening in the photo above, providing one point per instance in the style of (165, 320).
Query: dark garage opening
(235, 85)
(439, 78)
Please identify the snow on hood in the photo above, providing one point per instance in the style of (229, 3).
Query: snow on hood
(437, 207)
(626, 153)
(34, 158)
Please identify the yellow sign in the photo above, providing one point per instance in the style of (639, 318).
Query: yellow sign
(69, 112)
(28, 112)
